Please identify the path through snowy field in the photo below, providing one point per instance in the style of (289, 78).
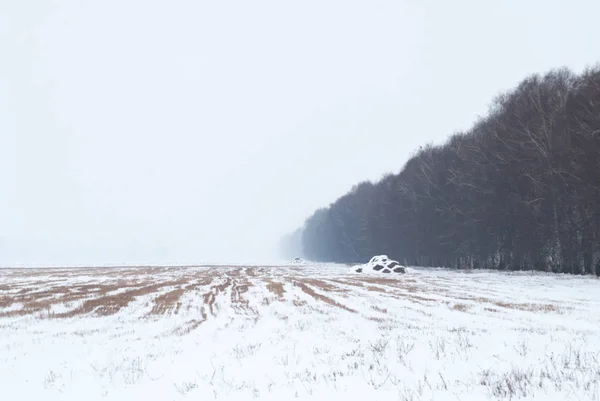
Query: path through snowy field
(296, 332)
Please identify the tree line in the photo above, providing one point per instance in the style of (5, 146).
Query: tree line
(519, 191)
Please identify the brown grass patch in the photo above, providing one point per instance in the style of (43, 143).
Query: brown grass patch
(352, 283)
(234, 272)
(111, 304)
(319, 297)
(358, 284)
(404, 284)
(376, 289)
(5, 302)
(323, 285)
(528, 307)
(35, 301)
(106, 293)
(546, 308)
(276, 288)
(167, 303)
(377, 280)
(255, 271)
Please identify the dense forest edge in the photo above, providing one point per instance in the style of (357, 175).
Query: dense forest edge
(519, 191)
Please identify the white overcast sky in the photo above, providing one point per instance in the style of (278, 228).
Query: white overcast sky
(189, 131)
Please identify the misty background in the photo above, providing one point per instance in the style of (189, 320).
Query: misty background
(195, 132)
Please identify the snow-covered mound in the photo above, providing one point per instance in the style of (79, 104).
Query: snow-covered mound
(380, 264)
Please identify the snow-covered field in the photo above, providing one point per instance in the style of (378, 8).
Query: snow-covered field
(296, 332)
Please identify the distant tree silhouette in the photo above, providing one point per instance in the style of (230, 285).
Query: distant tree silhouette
(519, 190)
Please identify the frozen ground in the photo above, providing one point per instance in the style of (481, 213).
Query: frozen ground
(309, 332)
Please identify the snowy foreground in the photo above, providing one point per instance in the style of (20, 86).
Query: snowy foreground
(296, 332)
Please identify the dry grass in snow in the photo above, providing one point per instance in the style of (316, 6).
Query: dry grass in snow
(316, 332)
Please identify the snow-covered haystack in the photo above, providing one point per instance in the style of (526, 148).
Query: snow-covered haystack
(380, 264)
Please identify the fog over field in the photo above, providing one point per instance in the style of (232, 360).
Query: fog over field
(189, 132)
